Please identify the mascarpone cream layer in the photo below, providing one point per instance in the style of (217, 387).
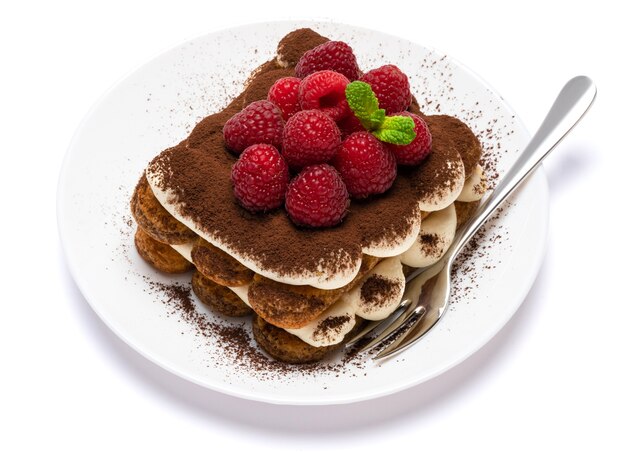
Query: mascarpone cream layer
(436, 235)
(397, 246)
(475, 186)
(446, 194)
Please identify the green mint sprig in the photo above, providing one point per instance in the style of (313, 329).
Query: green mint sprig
(390, 129)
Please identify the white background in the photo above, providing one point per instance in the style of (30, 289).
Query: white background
(553, 377)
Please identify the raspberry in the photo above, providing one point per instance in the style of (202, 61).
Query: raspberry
(284, 94)
(325, 91)
(333, 55)
(365, 165)
(391, 87)
(416, 151)
(350, 124)
(310, 137)
(259, 122)
(317, 197)
(260, 178)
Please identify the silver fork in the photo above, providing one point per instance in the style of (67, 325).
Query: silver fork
(427, 293)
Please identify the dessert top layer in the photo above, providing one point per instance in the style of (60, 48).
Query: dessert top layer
(192, 181)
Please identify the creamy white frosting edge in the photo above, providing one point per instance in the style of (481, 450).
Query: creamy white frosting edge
(475, 186)
(448, 194)
(438, 231)
(399, 247)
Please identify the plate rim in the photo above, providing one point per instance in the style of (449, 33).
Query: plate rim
(539, 177)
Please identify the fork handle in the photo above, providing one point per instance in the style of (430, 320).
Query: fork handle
(569, 107)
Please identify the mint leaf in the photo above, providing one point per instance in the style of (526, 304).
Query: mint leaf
(396, 130)
(364, 104)
(375, 120)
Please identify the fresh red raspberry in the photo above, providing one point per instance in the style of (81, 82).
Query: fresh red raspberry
(365, 165)
(416, 151)
(391, 87)
(317, 197)
(259, 122)
(260, 178)
(333, 55)
(350, 124)
(284, 94)
(325, 91)
(310, 137)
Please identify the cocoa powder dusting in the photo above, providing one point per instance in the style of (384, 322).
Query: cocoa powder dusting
(197, 171)
(329, 326)
(455, 135)
(260, 82)
(430, 244)
(377, 290)
(294, 44)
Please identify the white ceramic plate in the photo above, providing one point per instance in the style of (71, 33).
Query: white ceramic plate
(157, 105)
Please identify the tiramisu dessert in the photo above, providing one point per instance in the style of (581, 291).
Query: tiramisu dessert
(305, 200)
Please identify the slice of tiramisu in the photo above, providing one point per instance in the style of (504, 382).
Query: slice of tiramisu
(304, 201)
